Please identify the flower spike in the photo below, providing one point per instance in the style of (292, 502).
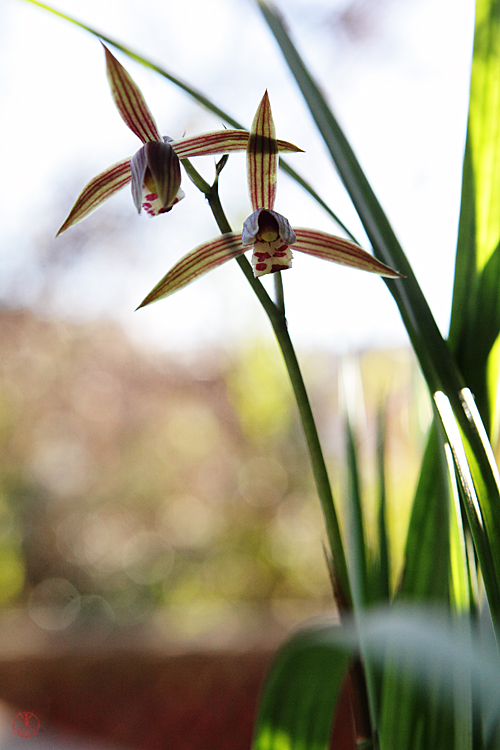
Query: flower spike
(268, 232)
(199, 261)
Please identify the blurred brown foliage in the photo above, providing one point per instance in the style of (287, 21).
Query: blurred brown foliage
(135, 486)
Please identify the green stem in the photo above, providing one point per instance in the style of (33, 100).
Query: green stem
(278, 290)
(275, 313)
(279, 325)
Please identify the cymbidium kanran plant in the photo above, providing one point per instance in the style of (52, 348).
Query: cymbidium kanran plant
(422, 678)
(155, 176)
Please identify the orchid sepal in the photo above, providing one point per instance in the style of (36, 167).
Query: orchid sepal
(339, 250)
(129, 101)
(196, 263)
(219, 142)
(97, 191)
(262, 157)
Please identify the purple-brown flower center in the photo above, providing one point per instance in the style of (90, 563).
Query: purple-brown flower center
(268, 228)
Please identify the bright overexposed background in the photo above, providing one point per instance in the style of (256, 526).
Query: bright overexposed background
(396, 75)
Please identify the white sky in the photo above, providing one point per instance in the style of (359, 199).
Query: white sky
(400, 92)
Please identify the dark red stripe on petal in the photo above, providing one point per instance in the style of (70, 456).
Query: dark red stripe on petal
(221, 141)
(285, 147)
(216, 142)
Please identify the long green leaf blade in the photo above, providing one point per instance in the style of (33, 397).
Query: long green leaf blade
(426, 339)
(384, 555)
(301, 691)
(356, 528)
(438, 366)
(475, 320)
(426, 571)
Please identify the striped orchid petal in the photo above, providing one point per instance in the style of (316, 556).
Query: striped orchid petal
(336, 249)
(262, 157)
(130, 101)
(220, 142)
(156, 178)
(98, 190)
(199, 261)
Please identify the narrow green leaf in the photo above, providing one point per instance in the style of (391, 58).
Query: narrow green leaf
(422, 329)
(459, 577)
(472, 489)
(357, 556)
(298, 702)
(367, 688)
(466, 276)
(438, 366)
(475, 320)
(484, 128)
(431, 654)
(426, 568)
(383, 573)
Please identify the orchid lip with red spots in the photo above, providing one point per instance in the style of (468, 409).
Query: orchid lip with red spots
(271, 235)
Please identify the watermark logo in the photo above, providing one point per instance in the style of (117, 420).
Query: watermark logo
(26, 724)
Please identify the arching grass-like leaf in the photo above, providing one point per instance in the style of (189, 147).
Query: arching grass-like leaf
(437, 363)
(300, 693)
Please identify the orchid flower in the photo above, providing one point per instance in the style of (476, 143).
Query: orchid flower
(154, 170)
(268, 232)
